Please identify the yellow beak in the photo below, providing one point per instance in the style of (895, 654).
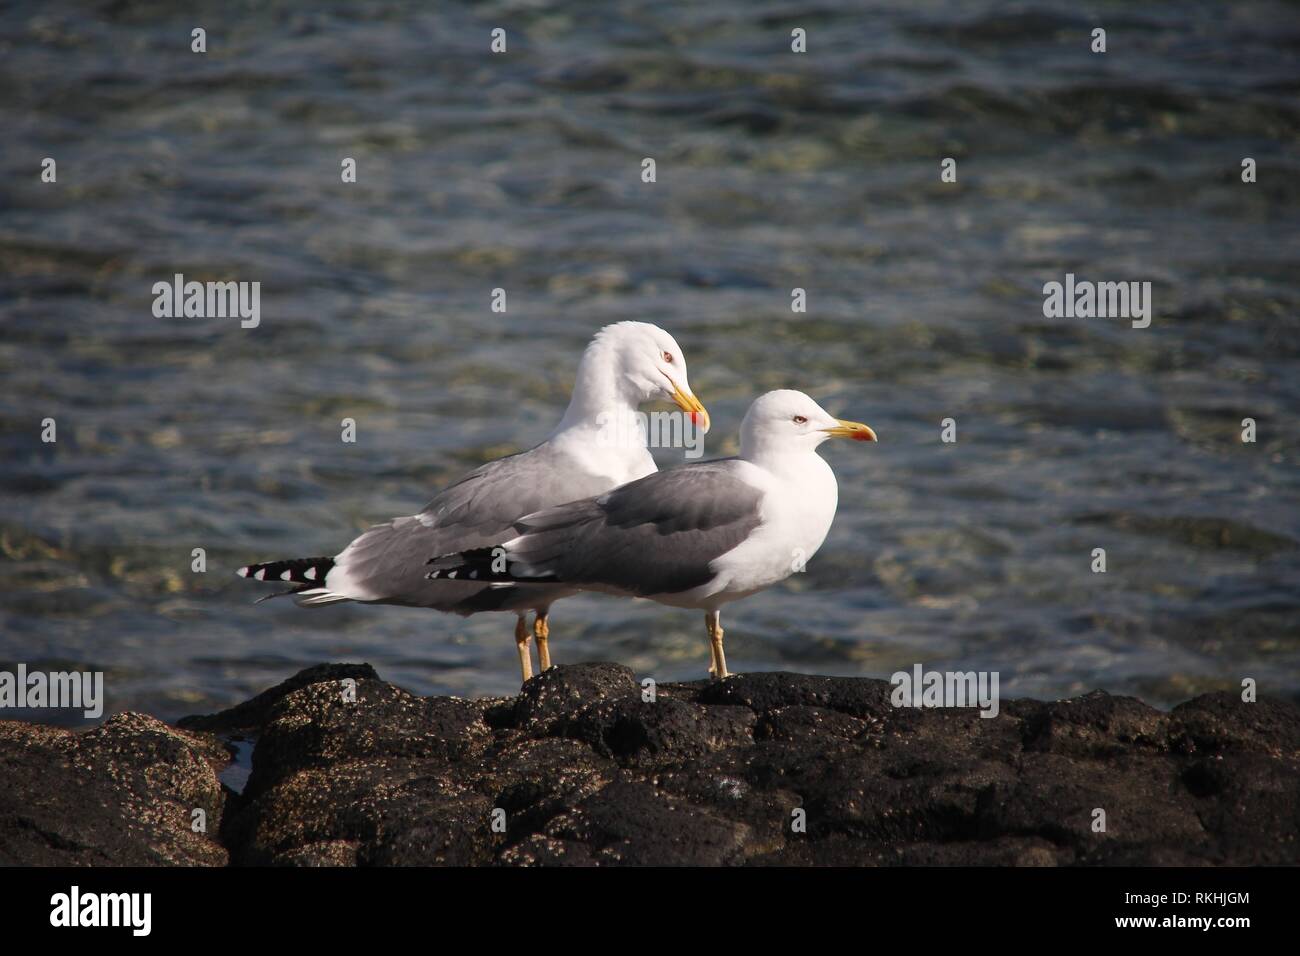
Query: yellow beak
(691, 405)
(855, 430)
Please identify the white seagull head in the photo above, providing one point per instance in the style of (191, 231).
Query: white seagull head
(787, 421)
(652, 365)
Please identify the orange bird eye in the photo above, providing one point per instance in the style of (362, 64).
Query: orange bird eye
(668, 357)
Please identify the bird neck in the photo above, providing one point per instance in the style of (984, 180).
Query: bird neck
(781, 459)
(602, 398)
(802, 488)
(603, 401)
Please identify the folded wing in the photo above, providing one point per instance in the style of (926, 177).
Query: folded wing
(657, 535)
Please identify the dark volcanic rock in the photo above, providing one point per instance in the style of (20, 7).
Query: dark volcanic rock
(632, 822)
(1220, 723)
(765, 769)
(760, 692)
(318, 726)
(252, 714)
(563, 690)
(670, 731)
(1096, 724)
(123, 794)
(804, 723)
(370, 770)
(580, 769)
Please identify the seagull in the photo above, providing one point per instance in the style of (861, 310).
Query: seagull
(698, 536)
(598, 445)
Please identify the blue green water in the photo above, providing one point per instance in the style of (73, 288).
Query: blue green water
(775, 170)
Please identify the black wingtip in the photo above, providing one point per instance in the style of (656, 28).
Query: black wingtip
(307, 571)
(474, 565)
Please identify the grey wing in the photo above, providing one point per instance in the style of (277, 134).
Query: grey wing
(386, 563)
(656, 535)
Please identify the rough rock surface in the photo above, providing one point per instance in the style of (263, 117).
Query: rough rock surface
(123, 794)
(580, 770)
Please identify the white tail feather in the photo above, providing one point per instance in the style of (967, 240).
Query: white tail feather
(318, 597)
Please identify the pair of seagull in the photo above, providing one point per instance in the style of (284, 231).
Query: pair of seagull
(587, 510)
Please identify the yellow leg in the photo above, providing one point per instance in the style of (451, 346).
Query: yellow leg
(713, 624)
(542, 631)
(713, 648)
(521, 641)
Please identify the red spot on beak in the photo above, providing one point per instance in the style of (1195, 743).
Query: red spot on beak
(855, 430)
(695, 419)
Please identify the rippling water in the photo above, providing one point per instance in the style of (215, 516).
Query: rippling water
(775, 171)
